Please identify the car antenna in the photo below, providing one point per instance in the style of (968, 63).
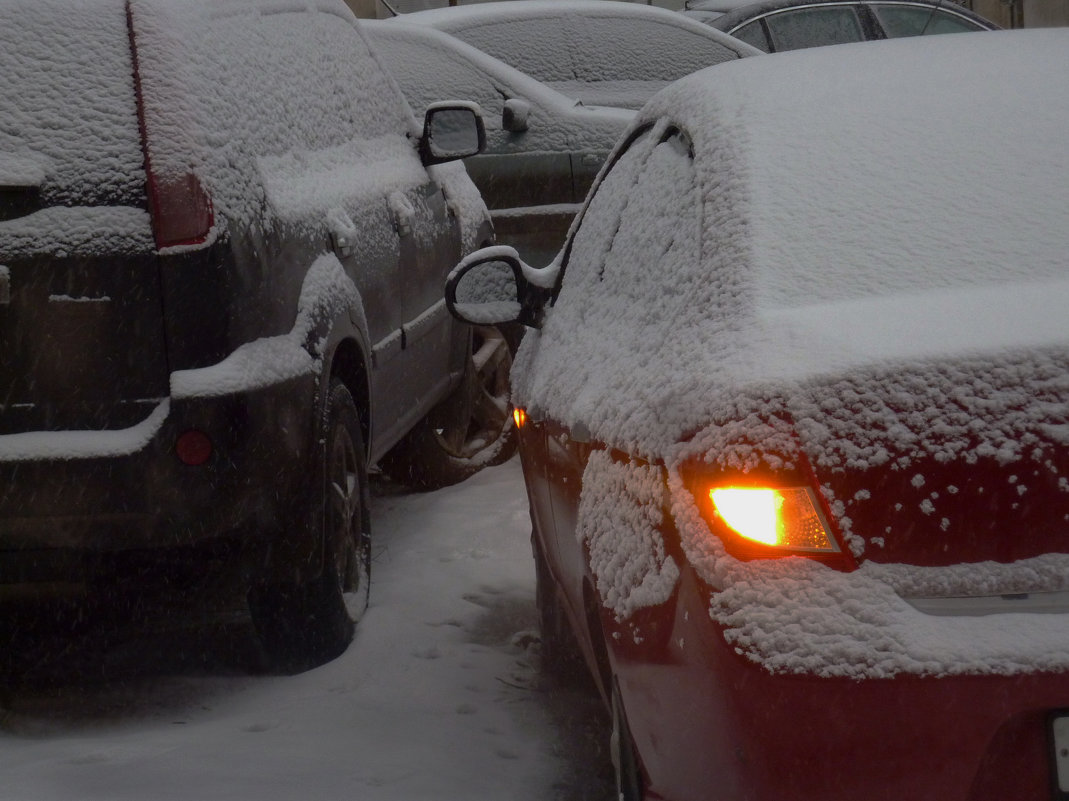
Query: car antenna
(931, 15)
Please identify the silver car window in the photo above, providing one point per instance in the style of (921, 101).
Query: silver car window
(810, 27)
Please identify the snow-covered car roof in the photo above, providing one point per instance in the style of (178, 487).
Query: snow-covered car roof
(456, 17)
(861, 205)
(600, 51)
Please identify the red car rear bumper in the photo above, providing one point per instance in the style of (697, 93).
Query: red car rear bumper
(737, 731)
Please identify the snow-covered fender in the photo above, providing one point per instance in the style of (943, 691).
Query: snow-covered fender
(331, 331)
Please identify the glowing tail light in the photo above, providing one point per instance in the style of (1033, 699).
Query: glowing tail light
(781, 518)
(519, 416)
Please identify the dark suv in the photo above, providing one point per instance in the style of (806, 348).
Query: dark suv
(223, 238)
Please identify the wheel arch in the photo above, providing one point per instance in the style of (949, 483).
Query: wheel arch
(349, 364)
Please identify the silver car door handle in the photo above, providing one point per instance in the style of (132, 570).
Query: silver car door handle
(403, 212)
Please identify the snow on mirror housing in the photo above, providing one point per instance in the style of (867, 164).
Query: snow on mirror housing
(452, 130)
(490, 287)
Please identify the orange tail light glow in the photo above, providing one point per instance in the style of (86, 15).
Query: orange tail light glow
(519, 416)
(782, 518)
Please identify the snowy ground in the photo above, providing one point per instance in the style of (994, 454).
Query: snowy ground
(439, 697)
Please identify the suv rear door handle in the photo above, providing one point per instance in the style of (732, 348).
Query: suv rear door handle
(403, 212)
(343, 232)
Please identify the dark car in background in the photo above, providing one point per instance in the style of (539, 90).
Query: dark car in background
(794, 414)
(222, 241)
(777, 25)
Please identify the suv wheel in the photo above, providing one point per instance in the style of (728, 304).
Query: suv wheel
(304, 625)
(469, 430)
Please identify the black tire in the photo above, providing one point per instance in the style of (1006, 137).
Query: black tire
(469, 430)
(625, 761)
(304, 625)
(560, 654)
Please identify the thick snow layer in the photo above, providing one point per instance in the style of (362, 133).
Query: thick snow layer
(78, 231)
(620, 515)
(67, 103)
(776, 259)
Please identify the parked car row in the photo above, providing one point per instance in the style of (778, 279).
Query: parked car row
(791, 406)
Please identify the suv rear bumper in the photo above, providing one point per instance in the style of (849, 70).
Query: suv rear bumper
(125, 491)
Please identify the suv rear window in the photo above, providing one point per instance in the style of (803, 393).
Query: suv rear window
(68, 115)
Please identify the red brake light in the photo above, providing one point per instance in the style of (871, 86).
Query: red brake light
(193, 447)
(181, 210)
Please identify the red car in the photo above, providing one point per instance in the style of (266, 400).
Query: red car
(794, 411)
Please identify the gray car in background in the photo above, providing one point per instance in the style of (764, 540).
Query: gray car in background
(557, 84)
(543, 148)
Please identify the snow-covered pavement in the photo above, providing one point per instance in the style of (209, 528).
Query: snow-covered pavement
(439, 697)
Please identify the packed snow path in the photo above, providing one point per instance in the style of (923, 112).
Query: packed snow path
(439, 696)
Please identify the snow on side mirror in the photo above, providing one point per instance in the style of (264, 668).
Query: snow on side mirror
(452, 130)
(490, 287)
(515, 114)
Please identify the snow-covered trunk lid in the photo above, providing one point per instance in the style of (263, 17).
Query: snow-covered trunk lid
(942, 463)
(81, 319)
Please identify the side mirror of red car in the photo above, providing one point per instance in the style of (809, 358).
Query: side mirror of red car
(451, 131)
(493, 286)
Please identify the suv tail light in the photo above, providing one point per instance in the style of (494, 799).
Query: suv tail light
(181, 210)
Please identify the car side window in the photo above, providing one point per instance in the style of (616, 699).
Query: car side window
(428, 74)
(539, 47)
(601, 220)
(658, 226)
(911, 21)
(642, 223)
(753, 33)
(810, 27)
(653, 51)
